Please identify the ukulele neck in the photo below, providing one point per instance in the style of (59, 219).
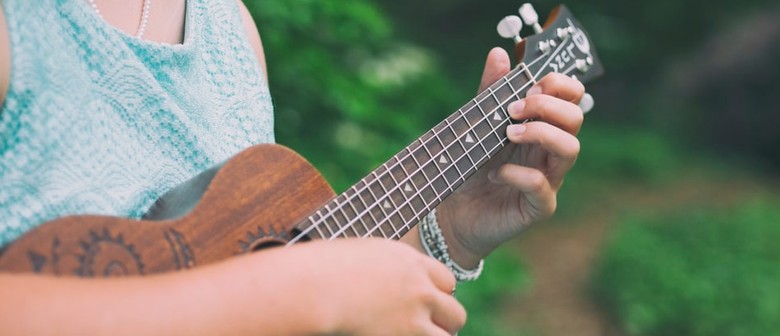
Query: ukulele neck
(394, 197)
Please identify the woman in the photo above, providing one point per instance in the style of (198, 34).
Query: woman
(107, 104)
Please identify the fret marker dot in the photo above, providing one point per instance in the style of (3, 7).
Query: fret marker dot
(497, 116)
(443, 159)
(387, 205)
(469, 139)
(408, 187)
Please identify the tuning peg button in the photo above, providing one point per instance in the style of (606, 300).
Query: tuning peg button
(509, 27)
(582, 65)
(544, 46)
(586, 103)
(563, 33)
(528, 13)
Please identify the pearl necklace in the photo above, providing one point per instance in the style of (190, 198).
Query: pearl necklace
(144, 16)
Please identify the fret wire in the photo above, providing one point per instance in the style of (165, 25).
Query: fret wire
(381, 208)
(326, 225)
(348, 219)
(495, 131)
(338, 208)
(513, 75)
(428, 181)
(319, 231)
(484, 119)
(365, 206)
(473, 164)
(457, 139)
(449, 125)
(443, 153)
(478, 142)
(312, 221)
(513, 90)
(409, 176)
(389, 194)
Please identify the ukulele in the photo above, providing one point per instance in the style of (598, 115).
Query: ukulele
(268, 195)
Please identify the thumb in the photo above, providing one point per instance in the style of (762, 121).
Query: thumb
(496, 66)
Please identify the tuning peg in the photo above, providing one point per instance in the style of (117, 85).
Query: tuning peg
(528, 13)
(509, 27)
(586, 103)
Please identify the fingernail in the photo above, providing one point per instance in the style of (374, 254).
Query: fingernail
(536, 89)
(516, 108)
(515, 130)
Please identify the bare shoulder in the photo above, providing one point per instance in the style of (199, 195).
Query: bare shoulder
(254, 35)
(5, 58)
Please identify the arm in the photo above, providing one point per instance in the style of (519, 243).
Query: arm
(173, 304)
(5, 58)
(311, 288)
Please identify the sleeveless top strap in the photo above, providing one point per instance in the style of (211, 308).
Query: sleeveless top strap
(100, 122)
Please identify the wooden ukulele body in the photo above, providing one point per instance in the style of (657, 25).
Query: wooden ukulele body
(255, 200)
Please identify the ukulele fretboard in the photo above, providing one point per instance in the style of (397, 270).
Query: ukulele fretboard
(394, 197)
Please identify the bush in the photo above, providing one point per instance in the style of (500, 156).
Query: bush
(695, 272)
(348, 92)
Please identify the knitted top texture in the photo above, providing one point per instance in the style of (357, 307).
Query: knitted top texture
(99, 122)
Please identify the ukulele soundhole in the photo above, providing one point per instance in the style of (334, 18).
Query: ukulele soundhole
(260, 238)
(107, 256)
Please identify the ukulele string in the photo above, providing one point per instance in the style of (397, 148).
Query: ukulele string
(316, 224)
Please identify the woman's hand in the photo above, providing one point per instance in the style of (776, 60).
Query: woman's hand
(373, 287)
(518, 187)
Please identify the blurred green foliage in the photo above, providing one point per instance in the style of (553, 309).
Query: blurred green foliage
(702, 271)
(505, 276)
(348, 92)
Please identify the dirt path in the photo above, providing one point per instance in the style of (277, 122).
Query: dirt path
(560, 255)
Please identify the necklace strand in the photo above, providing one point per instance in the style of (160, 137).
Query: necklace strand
(147, 7)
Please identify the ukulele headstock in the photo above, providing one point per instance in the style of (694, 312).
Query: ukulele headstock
(562, 45)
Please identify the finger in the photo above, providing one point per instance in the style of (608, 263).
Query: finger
(448, 313)
(555, 111)
(496, 66)
(562, 147)
(440, 274)
(533, 184)
(559, 85)
(433, 330)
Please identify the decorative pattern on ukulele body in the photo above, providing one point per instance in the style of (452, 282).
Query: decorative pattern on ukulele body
(180, 249)
(38, 262)
(254, 239)
(108, 256)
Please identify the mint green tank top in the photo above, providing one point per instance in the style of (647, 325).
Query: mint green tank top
(100, 122)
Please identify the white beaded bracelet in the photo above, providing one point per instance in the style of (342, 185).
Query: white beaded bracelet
(433, 242)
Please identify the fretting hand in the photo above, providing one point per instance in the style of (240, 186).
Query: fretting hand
(518, 187)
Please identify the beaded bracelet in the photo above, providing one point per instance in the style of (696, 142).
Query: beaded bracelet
(433, 242)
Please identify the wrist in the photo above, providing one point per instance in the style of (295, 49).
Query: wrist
(461, 248)
(435, 245)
